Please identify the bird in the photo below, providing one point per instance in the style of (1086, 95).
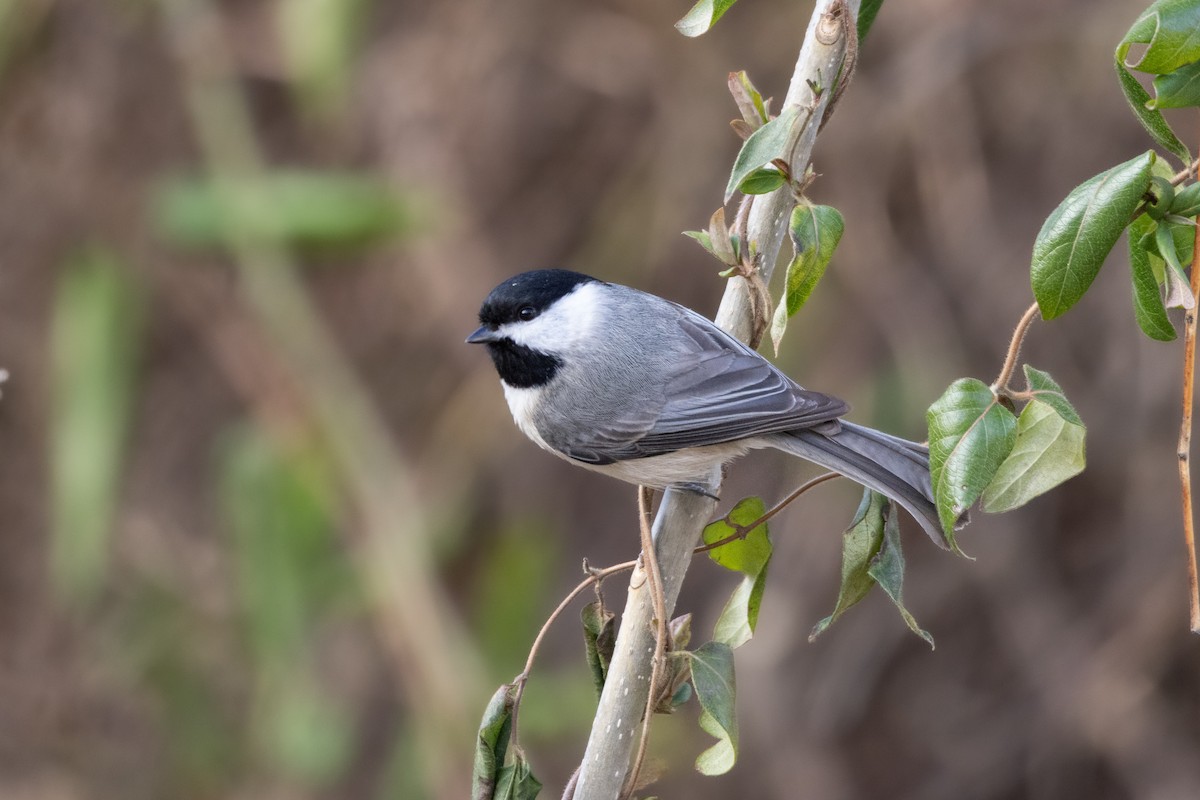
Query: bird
(634, 386)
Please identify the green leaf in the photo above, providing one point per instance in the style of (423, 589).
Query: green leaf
(748, 99)
(1078, 235)
(888, 569)
(763, 180)
(970, 435)
(720, 240)
(1178, 89)
(815, 232)
(95, 337)
(712, 678)
(1152, 119)
(1148, 307)
(516, 781)
(1159, 199)
(1179, 289)
(599, 639)
(1049, 450)
(1187, 201)
(748, 554)
(866, 18)
(860, 544)
(703, 16)
(1171, 31)
(492, 744)
(739, 617)
(764, 146)
(1046, 389)
(313, 209)
(704, 239)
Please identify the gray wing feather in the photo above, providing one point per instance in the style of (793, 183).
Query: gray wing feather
(717, 390)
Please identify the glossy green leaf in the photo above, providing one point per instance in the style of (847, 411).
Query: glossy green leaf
(313, 209)
(735, 626)
(713, 680)
(764, 146)
(703, 16)
(491, 745)
(1170, 29)
(866, 17)
(1158, 200)
(1148, 307)
(1152, 119)
(815, 232)
(516, 781)
(1178, 89)
(748, 554)
(888, 569)
(970, 435)
(95, 336)
(1187, 200)
(1078, 235)
(763, 180)
(599, 637)
(1046, 389)
(1048, 451)
(860, 544)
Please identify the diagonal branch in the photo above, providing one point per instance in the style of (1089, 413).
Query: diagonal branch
(683, 515)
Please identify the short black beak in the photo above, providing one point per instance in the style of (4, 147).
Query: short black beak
(483, 335)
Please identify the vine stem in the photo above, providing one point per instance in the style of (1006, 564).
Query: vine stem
(1185, 438)
(596, 577)
(1014, 349)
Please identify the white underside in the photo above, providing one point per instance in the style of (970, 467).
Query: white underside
(695, 465)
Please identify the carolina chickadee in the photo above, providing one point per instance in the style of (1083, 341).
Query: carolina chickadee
(640, 388)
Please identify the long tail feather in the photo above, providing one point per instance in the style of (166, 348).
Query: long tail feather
(887, 464)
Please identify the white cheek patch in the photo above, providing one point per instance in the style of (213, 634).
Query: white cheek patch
(565, 323)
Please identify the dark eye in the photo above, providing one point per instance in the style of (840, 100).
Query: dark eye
(527, 313)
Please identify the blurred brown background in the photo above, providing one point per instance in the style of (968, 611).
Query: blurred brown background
(268, 531)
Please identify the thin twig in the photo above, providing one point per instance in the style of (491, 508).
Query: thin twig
(1182, 175)
(1185, 439)
(740, 531)
(597, 576)
(593, 579)
(1014, 349)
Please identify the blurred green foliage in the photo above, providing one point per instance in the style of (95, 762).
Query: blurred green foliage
(94, 344)
(292, 578)
(337, 211)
